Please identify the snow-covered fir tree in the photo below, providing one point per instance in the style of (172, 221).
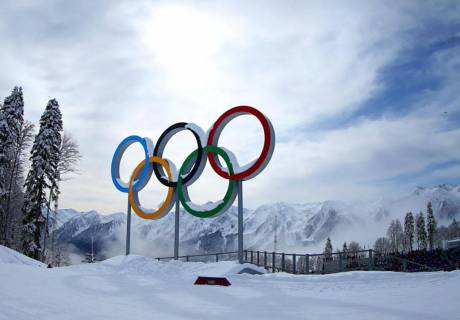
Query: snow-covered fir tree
(431, 226)
(11, 123)
(328, 250)
(421, 232)
(15, 198)
(41, 177)
(354, 247)
(409, 231)
(68, 156)
(59, 257)
(89, 256)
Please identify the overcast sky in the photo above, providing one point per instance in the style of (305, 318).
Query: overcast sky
(364, 96)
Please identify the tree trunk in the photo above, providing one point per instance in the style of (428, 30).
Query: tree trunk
(46, 222)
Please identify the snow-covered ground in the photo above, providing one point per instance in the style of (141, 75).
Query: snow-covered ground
(137, 287)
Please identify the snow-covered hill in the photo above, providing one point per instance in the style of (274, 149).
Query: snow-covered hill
(300, 227)
(137, 287)
(9, 256)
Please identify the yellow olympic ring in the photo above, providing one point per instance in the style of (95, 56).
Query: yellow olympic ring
(133, 195)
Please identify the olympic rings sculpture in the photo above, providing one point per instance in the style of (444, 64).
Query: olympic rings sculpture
(193, 166)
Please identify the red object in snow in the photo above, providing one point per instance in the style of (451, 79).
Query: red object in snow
(213, 281)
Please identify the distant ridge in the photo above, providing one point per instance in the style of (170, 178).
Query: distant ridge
(300, 226)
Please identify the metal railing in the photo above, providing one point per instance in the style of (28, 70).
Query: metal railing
(312, 263)
(207, 257)
(331, 263)
(395, 263)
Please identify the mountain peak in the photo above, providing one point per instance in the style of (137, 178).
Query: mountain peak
(449, 187)
(441, 187)
(298, 225)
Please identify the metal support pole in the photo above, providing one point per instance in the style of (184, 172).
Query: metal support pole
(294, 271)
(176, 230)
(128, 229)
(282, 262)
(258, 261)
(340, 262)
(371, 260)
(273, 262)
(239, 184)
(265, 259)
(307, 263)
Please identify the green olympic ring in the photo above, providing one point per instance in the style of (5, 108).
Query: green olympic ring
(184, 198)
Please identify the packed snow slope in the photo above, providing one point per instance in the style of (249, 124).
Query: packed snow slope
(137, 287)
(8, 256)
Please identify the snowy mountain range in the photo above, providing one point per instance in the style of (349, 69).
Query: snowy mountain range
(299, 227)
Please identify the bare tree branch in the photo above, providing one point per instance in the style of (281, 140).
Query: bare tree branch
(69, 156)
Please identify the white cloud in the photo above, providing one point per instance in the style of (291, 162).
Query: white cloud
(354, 162)
(136, 68)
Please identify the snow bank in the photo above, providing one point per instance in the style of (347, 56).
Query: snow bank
(137, 287)
(141, 265)
(13, 257)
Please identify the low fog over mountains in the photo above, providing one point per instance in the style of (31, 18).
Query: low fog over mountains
(300, 228)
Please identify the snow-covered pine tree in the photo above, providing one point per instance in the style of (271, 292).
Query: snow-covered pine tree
(69, 155)
(354, 247)
(421, 231)
(328, 250)
(409, 231)
(41, 177)
(431, 226)
(3, 162)
(57, 255)
(3, 165)
(11, 123)
(89, 256)
(15, 197)
(345, 254)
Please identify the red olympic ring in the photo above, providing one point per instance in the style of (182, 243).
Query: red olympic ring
(265, 154)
